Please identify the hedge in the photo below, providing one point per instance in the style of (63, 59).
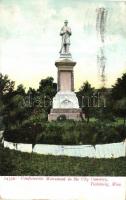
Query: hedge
(67, 132)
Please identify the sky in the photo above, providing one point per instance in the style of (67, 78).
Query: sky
(30, 40)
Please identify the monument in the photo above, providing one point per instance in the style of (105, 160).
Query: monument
(65, 101)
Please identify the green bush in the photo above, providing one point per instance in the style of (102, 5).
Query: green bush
(67, 132)
(70, 138)
(52, 134)
(121, 129)
(38, 118)
(25, 134)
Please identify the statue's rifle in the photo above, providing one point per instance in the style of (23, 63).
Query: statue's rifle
(61, 47)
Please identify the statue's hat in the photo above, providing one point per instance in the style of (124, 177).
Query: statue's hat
(66, 21)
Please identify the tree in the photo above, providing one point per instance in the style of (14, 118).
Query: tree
(15, 112)
(6, 86)
(119, 89)
(12, 108)
(48, 87)
(120, 108)
(118, 97)
(1, 114)
(21, 90)
(6, 90)
(103, 112)
(47, 90)
(85, 95)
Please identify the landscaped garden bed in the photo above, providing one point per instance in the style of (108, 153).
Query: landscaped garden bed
(67, 133)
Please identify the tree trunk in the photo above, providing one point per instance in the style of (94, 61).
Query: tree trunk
(88, 118)
(124, 121)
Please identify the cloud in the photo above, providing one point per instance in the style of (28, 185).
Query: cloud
(12, 21)
(116, 18)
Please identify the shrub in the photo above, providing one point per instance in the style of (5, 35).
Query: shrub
(67, 132)
(52, 134)
(121, 129)
(71, 138)
(38, 118)
(25, 134)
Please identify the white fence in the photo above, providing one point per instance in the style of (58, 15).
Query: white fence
(78, 150)
(113, 150)
(18, 146)
(24, 147)
(10, 145)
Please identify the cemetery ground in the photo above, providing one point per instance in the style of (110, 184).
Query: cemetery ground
(14, 163)
(26, 122)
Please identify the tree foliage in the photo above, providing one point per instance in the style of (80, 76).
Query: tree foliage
(119, 89)
(6, 85)
(118, 97)
(18, 106)
(46, 91)
(85, 95)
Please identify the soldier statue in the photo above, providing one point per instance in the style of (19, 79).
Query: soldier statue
(65, 33)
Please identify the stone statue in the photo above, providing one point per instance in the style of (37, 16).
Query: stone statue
(65, 33)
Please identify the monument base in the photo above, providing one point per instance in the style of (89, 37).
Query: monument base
(65, 103)
(65, 99)
(73, 113)
(66, 55)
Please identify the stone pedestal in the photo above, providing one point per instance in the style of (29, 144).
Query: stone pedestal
(65, 74)
(73, 113)
(65, 101)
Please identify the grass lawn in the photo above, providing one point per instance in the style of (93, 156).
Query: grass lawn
(119, 121)
(14, 163)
